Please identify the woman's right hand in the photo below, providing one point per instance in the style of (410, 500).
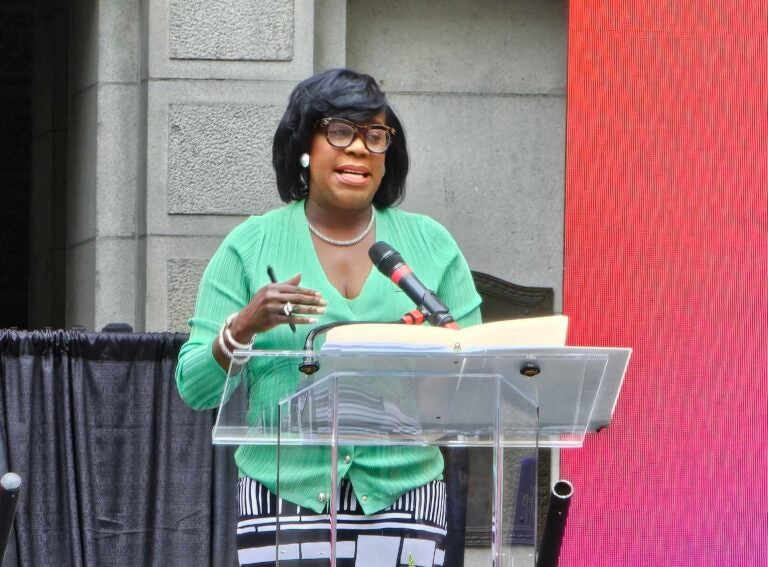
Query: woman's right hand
(267, 308)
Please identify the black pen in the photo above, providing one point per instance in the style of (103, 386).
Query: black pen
(273, 279)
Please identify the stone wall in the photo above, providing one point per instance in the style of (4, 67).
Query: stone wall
(480, 87)
(173, 105)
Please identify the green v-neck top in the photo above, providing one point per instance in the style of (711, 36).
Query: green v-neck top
(238, 269)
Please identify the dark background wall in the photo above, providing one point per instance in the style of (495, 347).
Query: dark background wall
(33, 170)
(16, 22)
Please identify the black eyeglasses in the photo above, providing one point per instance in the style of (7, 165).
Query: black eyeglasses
(341, 133)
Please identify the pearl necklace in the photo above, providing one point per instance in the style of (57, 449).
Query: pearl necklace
(355, 240)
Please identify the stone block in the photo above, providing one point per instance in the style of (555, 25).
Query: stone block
(238, 30)
(45, 9)
(116, 166)
(174, 266)
(241, 103)
(184, 276)
(330, 34)
(47, 290)
(83, 44)
(219, 158)
(115, 275)
(119, 50)
(48, 230)
(80, 297)
(59, 188)
(230, 39)
(49, 92)
(494, 46)
(81, 173)
(40, 273)
(498, 186)
(41, 214)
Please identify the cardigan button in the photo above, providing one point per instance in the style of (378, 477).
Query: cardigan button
(364, 499)
(348, 459)
(321, 497)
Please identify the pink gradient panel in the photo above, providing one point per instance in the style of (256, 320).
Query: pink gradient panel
(667, 252)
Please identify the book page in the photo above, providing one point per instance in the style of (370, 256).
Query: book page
(535, 331)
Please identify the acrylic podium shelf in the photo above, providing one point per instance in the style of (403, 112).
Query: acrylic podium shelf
(519, 398)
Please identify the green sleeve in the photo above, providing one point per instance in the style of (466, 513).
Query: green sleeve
(223, 290)
(457, 288)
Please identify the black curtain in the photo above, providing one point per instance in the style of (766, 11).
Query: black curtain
(117, 470)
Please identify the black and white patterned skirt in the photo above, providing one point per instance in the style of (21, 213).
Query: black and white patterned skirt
(413, 528)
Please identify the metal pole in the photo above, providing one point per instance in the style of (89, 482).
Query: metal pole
(554, 528)
(10, 485)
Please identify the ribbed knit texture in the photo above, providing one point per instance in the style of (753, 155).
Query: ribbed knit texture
(281, 239)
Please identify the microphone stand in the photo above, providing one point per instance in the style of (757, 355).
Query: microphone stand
(310, 364)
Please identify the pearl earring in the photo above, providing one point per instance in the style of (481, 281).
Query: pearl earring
(304, 160)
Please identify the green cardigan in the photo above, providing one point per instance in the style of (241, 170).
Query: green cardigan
(280, 238)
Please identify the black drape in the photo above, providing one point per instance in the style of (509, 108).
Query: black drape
(117, 470)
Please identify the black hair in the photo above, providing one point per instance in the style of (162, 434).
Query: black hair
(338, 93)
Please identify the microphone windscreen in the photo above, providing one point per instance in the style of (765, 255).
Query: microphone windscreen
(385, 258)
(378, 251)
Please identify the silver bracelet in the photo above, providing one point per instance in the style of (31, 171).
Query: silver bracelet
(237, 363)
(231, 339)
(223, 346)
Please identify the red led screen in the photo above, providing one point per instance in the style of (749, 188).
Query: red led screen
(667, 252)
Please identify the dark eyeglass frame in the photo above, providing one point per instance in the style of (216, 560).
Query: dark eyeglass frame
(360, 129)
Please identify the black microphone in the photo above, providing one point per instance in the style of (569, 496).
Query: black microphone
(392, 265)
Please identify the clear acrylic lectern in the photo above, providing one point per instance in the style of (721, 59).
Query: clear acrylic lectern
(519, 398)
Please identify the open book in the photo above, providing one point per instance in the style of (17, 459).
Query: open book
(536, 331)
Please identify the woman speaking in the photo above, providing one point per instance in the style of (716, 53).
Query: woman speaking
(341, 161)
